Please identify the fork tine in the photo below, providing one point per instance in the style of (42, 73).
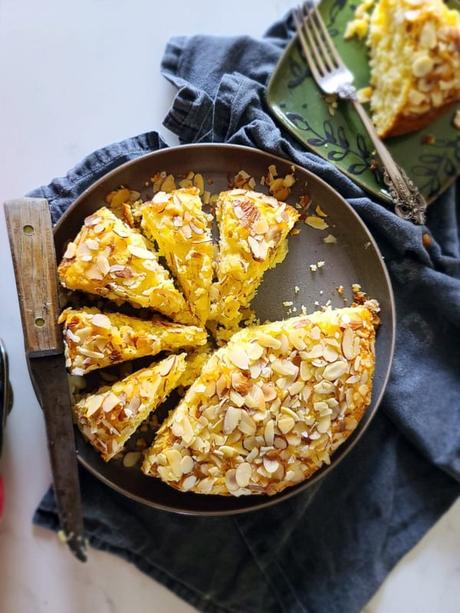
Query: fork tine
(313, 59)
(316, 42)
(315, 16)
(310, 25)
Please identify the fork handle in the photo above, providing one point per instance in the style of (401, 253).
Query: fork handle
(409, 202)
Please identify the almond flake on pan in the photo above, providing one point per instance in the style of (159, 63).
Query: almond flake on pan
(177, 223)
(109, 417)
(112, 260)
(270, 408)
(253, 238)
(93, 339)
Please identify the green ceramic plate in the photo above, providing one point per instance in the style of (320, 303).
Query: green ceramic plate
(296, 101)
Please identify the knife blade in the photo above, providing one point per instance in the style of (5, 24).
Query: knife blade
(32, 246)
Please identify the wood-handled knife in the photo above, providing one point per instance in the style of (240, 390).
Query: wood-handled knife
(34, 259)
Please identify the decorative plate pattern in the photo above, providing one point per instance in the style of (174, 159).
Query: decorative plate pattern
(298, 104)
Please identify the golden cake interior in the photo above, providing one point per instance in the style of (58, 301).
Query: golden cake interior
(414, 48)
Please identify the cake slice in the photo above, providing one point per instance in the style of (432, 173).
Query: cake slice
(93, 339)
(110, 259)
(181, 229)
(414, 48)
(109, 417)
(270, 407)
(253, 229)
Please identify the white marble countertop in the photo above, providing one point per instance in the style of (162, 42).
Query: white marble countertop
(76, 76)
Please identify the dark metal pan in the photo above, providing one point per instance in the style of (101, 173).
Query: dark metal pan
(355, 258)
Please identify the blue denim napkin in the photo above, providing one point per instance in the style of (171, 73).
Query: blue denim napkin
(326, 550)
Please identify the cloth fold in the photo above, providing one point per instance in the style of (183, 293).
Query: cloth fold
(327, 549)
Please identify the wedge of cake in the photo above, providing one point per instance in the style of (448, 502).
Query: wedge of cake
(93, 339)
(108, 418)
(270, 407)
(110, 259)
(181, 229)
(253, 229)
(414, 48)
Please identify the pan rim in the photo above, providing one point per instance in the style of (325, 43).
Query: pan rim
(342, 451)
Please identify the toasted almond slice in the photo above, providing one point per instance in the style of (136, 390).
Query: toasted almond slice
(70, 251)
(93, 404)
(347, 343)
(101, 321)
(243, 474)
(110, 402)
(166, 366)
(141, 252)
(238, 357)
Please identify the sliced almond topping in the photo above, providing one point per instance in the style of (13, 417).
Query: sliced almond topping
(296, 388)
(238, 357)
(330, 354)
(260, 226)
(335, 370)
(324, 424)
(258, 250)
(266, 340)
(92, 244)
(70, 251)
(133, 405)
(110, 401)
(141, 252)
(94, 274)
(305, 371)
(247, 424)
(271, 466)
(243, 474)
(269, 392)
(186, 464)
(269, 432)
(284, 367)
(285, 424)
(230, 480)
(166, 365)
(254, 351)
(188, 483)
(186, 231)
(101, 321)
(92, 220)
(103, 264)
(236, 398)
(315, 352)
(231, 419)
(324, 387)
(93, 403)
(347, 343)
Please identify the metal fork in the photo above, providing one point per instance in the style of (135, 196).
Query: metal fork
(333, 77)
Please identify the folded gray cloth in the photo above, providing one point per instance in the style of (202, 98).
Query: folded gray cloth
(326, 550)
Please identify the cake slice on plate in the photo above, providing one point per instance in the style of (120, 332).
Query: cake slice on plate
(181, 229)
(414, 48)
(110, 259)
(270, 407)
(253, 229)
(94, 339)
(109, 417)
